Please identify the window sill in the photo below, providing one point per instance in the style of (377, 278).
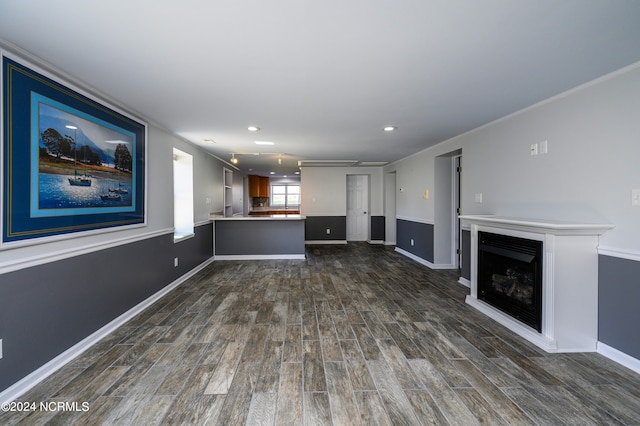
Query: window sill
(179, 238)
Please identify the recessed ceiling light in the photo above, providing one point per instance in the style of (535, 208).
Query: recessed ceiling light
(297, 173)
(390, 128)
(272, 173)
(264, 143)
(253, 128)
(210, 141)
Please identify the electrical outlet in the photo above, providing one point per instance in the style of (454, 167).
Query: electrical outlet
(175, 262)
(635, 197)
(412, 242)
(0, 348)
(328, 231)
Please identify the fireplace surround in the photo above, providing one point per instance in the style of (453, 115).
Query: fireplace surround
(569, 279)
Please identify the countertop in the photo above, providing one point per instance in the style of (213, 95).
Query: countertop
(262, 217)
(270, 209)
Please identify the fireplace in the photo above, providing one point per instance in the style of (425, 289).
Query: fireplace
(510, 276)
(561, 256)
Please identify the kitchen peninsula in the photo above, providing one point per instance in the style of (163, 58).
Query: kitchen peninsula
(279, 236)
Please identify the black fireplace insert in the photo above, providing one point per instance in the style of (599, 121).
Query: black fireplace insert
(510, 276)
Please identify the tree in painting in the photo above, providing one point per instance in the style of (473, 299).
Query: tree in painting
(56, 144)
(122, 158)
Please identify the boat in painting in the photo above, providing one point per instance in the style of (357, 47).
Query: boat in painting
(119, 190)
(79, 180)
(112, 196)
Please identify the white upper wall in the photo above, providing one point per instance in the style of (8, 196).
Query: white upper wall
(324, 190)
(593, 136)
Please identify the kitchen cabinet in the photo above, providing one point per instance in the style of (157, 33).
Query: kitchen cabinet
(258, 186)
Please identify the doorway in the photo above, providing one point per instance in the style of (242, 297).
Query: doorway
(457, 209)
(357, 207)
(390, 209)
(446, 209)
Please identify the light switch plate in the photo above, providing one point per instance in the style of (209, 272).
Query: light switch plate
(543, 147)
(534, 149)
(635, 197)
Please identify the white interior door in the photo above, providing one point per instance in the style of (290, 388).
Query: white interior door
(357, 207)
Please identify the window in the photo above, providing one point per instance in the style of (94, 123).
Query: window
(182, 195)
(285, 195)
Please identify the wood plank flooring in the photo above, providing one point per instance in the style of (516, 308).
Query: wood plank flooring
(355, 334)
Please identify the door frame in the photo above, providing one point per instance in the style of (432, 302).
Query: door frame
(390, 208)
(457, 210)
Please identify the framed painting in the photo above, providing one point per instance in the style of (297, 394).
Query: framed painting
(70, 163)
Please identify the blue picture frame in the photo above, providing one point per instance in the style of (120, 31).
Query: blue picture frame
(70, 164)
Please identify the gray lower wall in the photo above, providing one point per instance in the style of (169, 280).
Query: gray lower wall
(618, 297)
(315, 228)
(422, 235)
(46, 309)
(259, 237)
(377, 228)
(466, 255)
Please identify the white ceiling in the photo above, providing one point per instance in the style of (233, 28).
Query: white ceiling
(321, 78)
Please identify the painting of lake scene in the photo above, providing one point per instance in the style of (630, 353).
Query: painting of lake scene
(71, 163)
(82, 162)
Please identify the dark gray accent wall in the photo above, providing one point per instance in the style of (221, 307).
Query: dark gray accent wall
(466, 254)
(422, 235)
(46, 309)
(259, 237)
(315, 228)
(377, 228)
(618, 297)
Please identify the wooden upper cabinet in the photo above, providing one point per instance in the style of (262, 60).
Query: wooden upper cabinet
(254, 185)
(258, 186)
(264, 187)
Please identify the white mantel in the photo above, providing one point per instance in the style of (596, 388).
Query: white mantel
(569, 279)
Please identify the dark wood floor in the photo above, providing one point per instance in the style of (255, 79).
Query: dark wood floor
(356, 334)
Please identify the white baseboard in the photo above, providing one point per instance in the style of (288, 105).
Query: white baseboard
(26, 383)
(376, 242)
(414, 257)
(424, 262)
(260, 257)
(619, 357)
(465, 282)
(312, 242)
